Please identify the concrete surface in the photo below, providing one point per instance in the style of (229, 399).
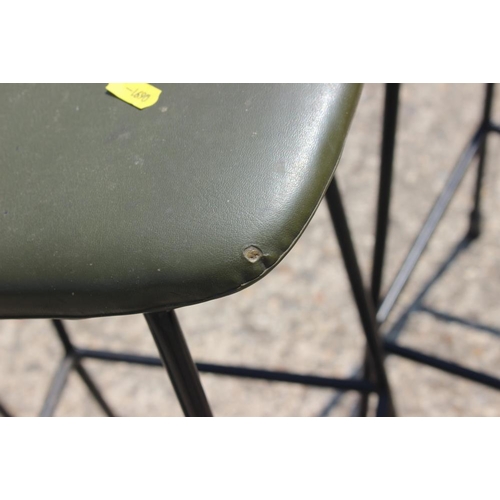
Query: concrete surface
(301, 317)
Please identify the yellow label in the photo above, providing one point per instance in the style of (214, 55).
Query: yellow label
(140, 95)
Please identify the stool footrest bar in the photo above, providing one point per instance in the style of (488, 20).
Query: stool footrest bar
(346, 384)
(441, 364)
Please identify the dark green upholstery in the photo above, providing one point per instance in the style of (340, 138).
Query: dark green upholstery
(106, 209)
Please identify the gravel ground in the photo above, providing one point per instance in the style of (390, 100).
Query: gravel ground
(301, 317)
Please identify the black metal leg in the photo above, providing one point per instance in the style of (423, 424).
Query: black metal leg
(385, 185)
(475, 216)
(363, 300)
(179, 364)
(384, 198)
(57, 386)
(72, 353)
(362, 411)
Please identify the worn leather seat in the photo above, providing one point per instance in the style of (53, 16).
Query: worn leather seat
(106, 209)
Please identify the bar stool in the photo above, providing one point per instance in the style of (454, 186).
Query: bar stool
(110, 210)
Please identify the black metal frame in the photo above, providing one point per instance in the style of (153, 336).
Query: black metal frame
(71, 360)
(373, 310)
(177, 359)
(475, 147)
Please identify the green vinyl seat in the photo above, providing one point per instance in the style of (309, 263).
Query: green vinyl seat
(106, 209)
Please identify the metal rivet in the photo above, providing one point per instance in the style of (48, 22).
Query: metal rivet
(252, 254)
